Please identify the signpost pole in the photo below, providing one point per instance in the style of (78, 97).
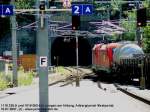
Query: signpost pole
(77, 60)
(42, 58)
(14, 48)
(80, 9)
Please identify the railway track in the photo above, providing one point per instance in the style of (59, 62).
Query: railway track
(146, 101)
(115, 88)
(82, 72)
(108, 87)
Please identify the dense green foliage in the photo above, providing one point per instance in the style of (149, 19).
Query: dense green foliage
(24, 4)
(3, 82)
(23, 79)
(130, 25)
(146, 40)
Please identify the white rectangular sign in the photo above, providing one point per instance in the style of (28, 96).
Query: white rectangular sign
(43, 61)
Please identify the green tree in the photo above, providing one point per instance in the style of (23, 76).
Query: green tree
(24, 4)
(146, 39)
(129, 25)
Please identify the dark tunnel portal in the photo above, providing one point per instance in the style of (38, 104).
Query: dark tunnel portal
(64, 52)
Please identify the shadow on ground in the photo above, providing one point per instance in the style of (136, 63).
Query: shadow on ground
(109, 79)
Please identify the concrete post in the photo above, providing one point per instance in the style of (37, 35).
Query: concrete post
(14, 48)
(42, 58)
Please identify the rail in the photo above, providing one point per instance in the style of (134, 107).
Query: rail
(72, 77)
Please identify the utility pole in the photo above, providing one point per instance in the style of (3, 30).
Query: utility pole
(42, 55)
(14, 48)
(77, 60)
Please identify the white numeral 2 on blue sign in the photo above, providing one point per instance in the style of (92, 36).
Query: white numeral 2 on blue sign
(76, 9)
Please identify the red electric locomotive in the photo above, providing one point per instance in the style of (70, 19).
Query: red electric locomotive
(106, 57)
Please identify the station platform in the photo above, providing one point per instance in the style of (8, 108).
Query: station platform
(86, 98)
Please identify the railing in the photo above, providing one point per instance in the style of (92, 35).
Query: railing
(137, 67)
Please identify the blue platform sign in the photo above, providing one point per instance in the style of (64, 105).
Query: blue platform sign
(6, 10)
(87, 9)
(82, 9)
(1, 10)
(77, 9)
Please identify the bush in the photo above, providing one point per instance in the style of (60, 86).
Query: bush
(146, 39)
(146, 45)
(128, 36)
(24, 79)
(3, 82)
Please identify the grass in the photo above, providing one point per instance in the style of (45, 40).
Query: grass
(24, 79)
(61, 70)
(3, 82)
(61, 73)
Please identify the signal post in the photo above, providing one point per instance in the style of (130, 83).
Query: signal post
(14, 46)
(43, 52)
(141, 22)
(42, 55)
